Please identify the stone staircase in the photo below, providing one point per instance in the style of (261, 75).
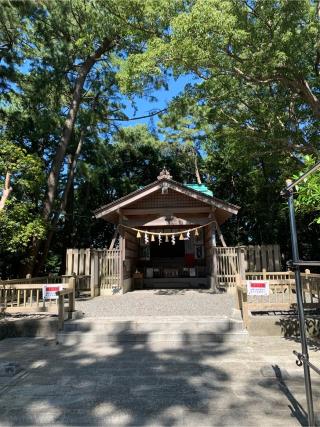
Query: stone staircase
(173, 330)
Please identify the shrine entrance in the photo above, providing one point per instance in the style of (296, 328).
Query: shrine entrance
(178, 265)
(166, 233)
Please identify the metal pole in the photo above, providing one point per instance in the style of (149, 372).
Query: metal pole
(302, 326)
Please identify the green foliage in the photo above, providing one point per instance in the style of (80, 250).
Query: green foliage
(308, 200)
(26, 169)
(19, 220)
(254, 99)
(247, 117)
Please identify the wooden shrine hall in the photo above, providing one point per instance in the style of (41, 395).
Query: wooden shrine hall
(166, 232)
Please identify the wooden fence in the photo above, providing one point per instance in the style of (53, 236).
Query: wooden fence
(28, 297)
(266, 257)
(230, 264)
(233, 261)
(282, 292)
(110, 268)
(102, 267)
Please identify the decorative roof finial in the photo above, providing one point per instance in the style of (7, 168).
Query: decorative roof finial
(164, 174)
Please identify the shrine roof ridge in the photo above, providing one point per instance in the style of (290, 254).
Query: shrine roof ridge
(188, 189)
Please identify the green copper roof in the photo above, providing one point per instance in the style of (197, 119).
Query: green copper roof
(201, 188)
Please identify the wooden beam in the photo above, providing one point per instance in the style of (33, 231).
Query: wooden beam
(162, 222)
(114, 238)
(219, 231)
(126, 201)
(166, 211)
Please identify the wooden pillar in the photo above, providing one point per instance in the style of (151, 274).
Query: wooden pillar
(72, 285)
(122, 249)
(60, 312)
(245, 309)
(214, 259)
(241, 262)
(94, 281)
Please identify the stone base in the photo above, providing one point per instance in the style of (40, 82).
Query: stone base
(282, 326)
(32, 327)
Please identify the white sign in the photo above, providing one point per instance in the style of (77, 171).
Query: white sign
(258, 287)
(50, 290)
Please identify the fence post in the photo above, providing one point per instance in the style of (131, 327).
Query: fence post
(72, 285)
(264, 274)
(307, 286)
(245, 311)
(61, 312)
(94, 282)
(241, 262)
(214, 270)
(238, 292)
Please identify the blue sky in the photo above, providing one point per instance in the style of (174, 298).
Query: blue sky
(144, 106)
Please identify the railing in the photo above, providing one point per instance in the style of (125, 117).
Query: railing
(69, 292)
(82, 281)
(282, 292)
(28, 297)
(33, 280)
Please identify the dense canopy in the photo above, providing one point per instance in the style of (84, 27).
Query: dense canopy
(247, 119)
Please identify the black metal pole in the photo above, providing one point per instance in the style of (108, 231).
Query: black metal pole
(302, 325)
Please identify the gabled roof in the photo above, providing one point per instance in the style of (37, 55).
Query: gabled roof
(165, 181)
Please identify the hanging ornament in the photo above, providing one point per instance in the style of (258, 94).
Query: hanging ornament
(167, 238)
(138, 235)
(146, 238)
(173, 239)
(188, 235)
(196, 233)
(152, 238)
(181, 237)
(160, 239)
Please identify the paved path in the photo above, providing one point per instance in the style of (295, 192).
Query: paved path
(163, 302)
(225, 384)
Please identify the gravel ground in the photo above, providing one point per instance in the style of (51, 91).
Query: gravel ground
(159, 303)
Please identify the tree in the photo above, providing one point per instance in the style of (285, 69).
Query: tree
(255, 95)
(21, 176)
(308, 200)
(230, 41)
(69, 52)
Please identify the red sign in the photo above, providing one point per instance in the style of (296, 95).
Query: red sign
(258, 287)
(50, 291)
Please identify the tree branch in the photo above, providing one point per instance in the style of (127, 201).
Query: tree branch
(155, 113)
(6, 191)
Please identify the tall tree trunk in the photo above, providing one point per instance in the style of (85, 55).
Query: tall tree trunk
(196, 167)
(63, 204)
(6, 191)
(53, 178)
(54, 174)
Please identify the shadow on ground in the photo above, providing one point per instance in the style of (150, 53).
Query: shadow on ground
(127, 383)
(139, 384)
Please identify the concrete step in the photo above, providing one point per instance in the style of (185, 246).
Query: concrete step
(177, 329)
(75, 338)
(155, 324)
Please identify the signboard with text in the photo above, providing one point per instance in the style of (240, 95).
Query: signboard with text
(258, 287)
(50, 290)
